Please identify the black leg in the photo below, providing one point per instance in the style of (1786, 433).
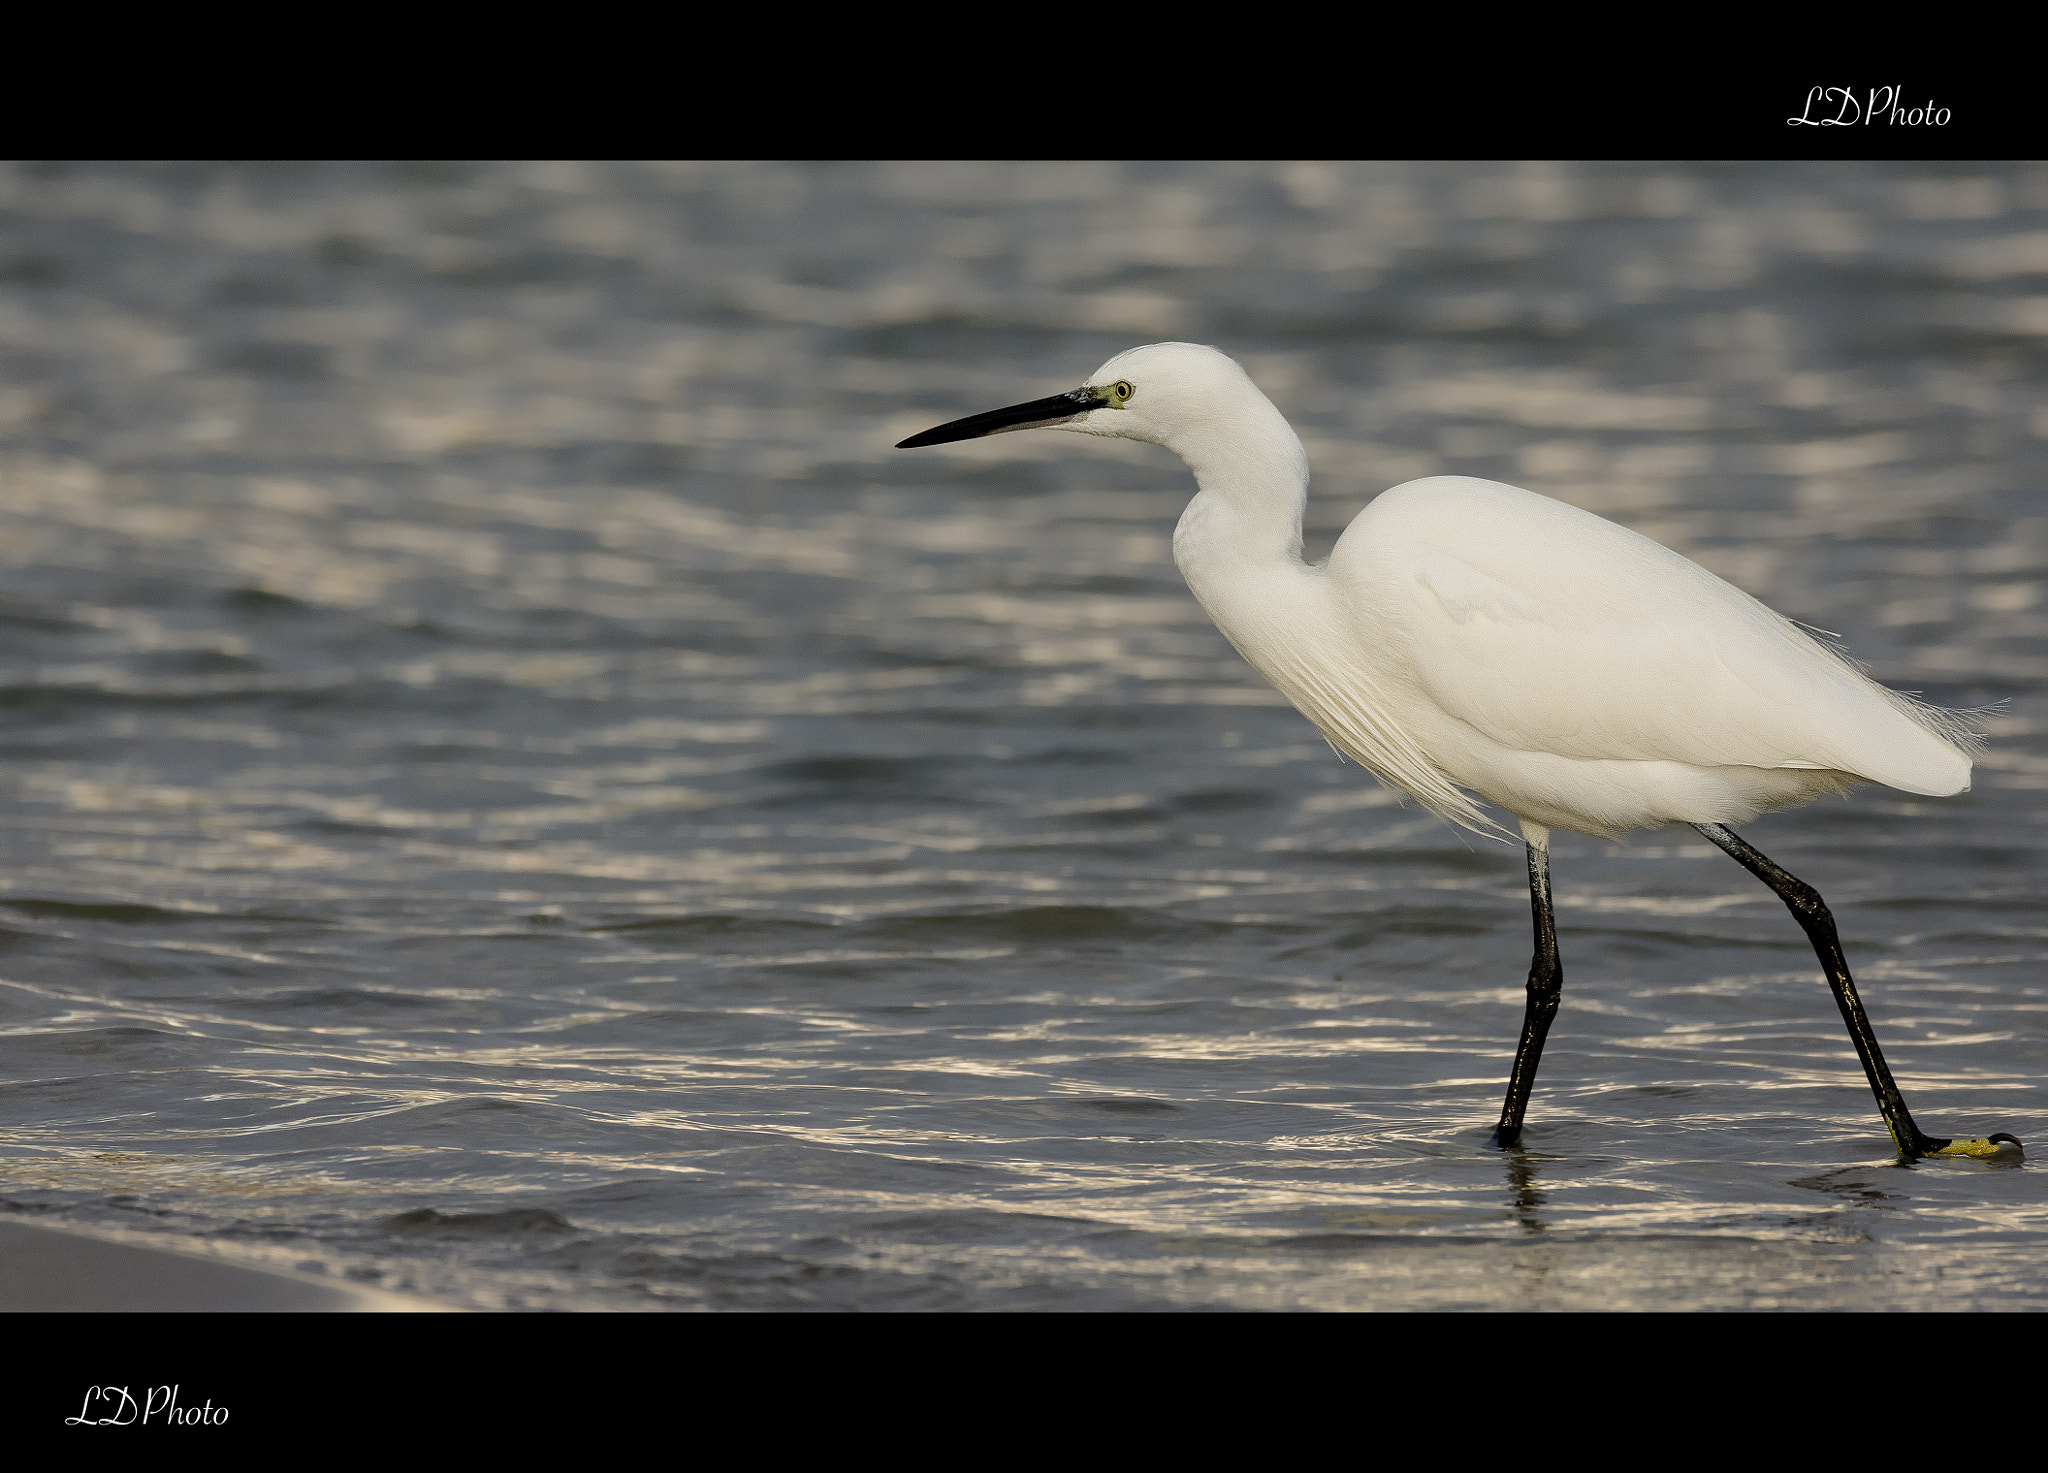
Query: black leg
(1546, 986)
(1812, 914)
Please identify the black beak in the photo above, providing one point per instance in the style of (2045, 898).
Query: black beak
(1054, 411)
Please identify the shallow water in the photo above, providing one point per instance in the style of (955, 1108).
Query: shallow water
(514, 792)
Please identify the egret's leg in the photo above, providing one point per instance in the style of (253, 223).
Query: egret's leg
(1814, 918)
(1546, 986)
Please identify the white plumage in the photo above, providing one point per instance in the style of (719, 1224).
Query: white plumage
(1468, 640)
(1468, 635)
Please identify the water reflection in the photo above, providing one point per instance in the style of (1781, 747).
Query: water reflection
(1522, 1176)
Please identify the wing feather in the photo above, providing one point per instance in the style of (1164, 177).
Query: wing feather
(1549, 629)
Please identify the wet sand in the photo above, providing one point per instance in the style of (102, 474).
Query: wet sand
(48, 1270)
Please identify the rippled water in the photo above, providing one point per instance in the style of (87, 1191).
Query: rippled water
(514, 791)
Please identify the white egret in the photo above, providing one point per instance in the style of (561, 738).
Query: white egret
(1471, 638)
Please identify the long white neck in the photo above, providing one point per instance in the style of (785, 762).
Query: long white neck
(1239, 546)
(1253, 476)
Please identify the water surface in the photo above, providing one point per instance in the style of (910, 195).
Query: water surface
(514, 792)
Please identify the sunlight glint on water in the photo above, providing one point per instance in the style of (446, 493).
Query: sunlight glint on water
(516, 793)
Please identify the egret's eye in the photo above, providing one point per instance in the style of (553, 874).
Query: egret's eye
(1121, 391)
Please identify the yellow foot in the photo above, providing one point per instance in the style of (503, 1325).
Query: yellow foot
(1998, 1145)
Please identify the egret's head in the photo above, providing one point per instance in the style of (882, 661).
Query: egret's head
(1156, 393)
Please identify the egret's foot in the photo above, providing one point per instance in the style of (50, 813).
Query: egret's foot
(1997, 1145)
(1506, 1137)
